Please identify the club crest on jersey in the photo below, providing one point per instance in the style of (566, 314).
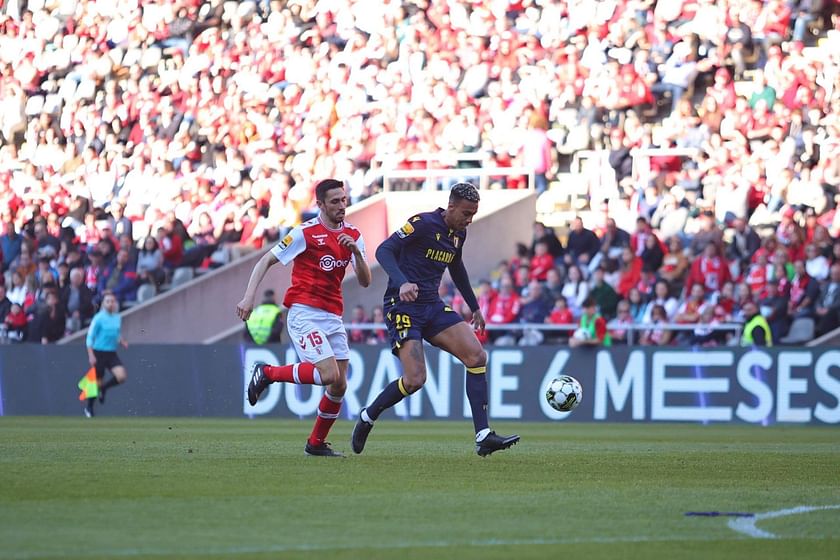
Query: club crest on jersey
(321, 239)
(406, 230)
(286, 241)
(455, 241)
(437, 236)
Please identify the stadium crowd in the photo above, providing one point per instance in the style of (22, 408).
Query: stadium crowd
(137, 138)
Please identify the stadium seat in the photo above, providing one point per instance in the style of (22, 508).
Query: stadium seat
(146, 292)
(182, 275)
(801, 330)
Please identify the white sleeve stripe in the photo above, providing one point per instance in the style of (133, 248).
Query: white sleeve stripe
(295, 373)
(327, 416)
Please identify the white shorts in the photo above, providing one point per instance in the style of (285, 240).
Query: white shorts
(317, 334)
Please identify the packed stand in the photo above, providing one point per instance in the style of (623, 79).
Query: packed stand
(711, 282)
(202, 124)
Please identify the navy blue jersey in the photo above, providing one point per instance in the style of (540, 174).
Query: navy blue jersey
(423, 248)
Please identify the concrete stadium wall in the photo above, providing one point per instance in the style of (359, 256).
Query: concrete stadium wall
(203, 310)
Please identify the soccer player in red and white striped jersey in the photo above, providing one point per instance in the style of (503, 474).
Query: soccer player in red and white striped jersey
(320, 249)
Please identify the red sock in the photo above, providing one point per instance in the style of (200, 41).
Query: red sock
(327, 415)
(303, 373)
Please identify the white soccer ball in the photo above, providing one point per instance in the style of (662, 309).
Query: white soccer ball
(564, 393)
(581, 334)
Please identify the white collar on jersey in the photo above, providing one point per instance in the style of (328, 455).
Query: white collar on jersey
(323, 223)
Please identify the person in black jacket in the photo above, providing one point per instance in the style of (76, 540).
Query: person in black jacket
(77, 300)
(745, 242)
(543, 234)
(582, 245)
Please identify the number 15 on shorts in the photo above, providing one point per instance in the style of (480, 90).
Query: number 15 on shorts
(313, 339)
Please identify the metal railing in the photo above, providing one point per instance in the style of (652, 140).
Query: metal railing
(447, 159)
(484, 174)
(571, 327)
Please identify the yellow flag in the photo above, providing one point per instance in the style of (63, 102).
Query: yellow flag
(88, 385)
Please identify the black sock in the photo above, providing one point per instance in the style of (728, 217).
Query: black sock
(393, 393)
(90, 403)
(110, 383)
(477, 394)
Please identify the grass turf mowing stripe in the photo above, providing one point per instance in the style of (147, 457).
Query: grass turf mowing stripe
(322, 547)
(419, 490)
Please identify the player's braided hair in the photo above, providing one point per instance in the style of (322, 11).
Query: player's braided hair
(464, 191)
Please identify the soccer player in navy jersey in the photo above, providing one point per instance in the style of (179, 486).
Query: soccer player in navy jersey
(415, 258)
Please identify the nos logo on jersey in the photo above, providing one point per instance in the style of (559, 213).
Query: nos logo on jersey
(329, 262)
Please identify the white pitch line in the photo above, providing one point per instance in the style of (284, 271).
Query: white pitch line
(746, 525)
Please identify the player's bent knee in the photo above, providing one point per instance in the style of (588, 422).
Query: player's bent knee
(338, 387)
(476, 359)
(328, 375)
(413, 382)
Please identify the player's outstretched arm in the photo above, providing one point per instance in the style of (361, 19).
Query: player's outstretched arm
(246, 305)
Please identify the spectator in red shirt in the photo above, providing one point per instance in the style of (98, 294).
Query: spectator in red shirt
(172, 247)
(505, 307)
(631, 272)
(710, 270)
(541, 262)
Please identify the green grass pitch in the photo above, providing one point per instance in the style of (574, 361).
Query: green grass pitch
(208, 488)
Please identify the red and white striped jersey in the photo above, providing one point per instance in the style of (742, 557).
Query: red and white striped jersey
(319, 263)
